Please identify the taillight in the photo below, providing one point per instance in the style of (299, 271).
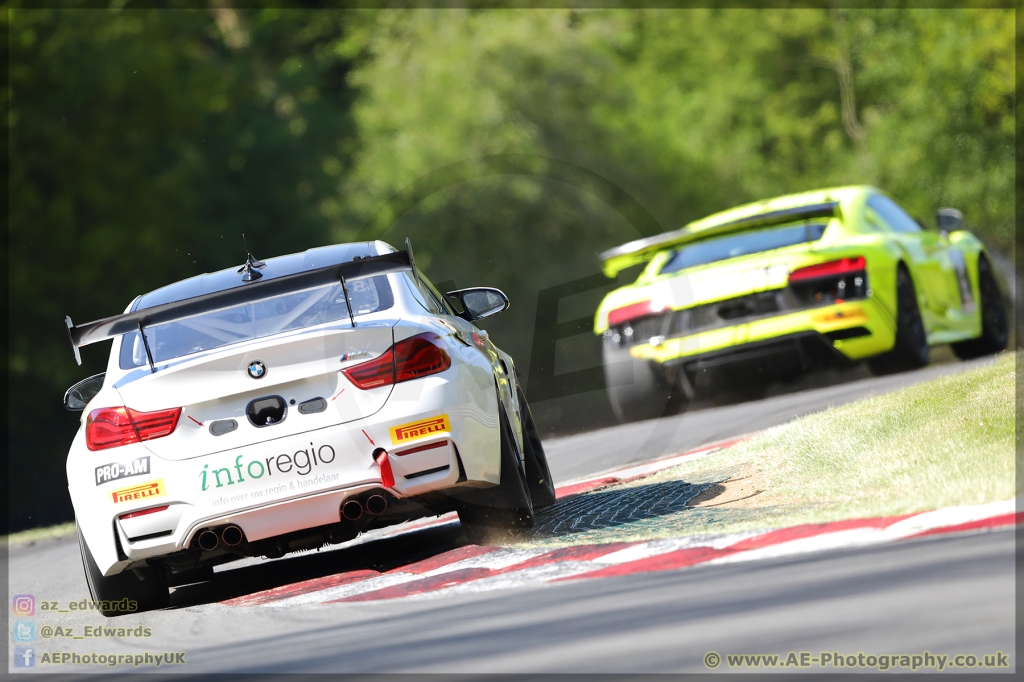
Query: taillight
(829, 269)
(377, 372)
(420, 356)
(110, 427)
(415, 357)
(620, 315)
(152, 425)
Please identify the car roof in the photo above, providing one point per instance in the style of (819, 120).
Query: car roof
(279, 266)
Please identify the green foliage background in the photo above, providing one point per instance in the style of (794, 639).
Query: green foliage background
(144, 142)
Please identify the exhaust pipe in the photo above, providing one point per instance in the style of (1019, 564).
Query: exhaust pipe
(231, 536)
(376, 504)
(208, 540)
(351, 510)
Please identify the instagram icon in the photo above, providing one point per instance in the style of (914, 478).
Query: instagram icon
(24, 605)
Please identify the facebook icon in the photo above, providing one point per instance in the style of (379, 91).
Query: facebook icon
(24, 657)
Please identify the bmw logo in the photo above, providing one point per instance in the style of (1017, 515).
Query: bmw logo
(257, 370)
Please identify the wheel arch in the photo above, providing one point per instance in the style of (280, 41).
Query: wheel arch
(884, 263)
(909, 269)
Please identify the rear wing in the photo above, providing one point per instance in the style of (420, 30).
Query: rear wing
(642, 250)
(258, 290)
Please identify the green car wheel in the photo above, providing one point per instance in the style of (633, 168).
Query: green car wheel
(640, 389)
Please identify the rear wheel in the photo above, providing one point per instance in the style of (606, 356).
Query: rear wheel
(639, 389)
(911, 348)
(145, 586)
(538, 475)
(492, 513)
(993, 318)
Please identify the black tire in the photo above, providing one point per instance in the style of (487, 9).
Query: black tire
(146, 586)
(489, 514)
(994, 327)
(910, 350)
(639, 389)
(538, 475)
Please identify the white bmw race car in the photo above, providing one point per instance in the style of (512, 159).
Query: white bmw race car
(288, 405)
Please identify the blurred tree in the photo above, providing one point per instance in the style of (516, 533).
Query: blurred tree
(143, 144)
(697, 110)
(939, 111)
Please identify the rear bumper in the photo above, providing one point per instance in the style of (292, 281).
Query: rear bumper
(831, 334)
(289, 484)
(271, 520)
(777, 358)
(264, 509)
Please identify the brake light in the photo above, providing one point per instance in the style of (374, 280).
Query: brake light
(420, 356)
(152, 425)
(629, 312)
(142, 512)
(415, 357)
(111, 427)
(829, 269)
(377, 372)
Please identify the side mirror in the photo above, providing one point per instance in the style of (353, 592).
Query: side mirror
(480, 302)
(948, 220)
(79, 395)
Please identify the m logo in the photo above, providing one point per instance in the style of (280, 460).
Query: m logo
(257, 370)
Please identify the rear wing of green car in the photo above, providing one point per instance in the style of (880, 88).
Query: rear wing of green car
(617, 259)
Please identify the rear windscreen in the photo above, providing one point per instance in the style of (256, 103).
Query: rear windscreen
(741, 244)
(256, 320)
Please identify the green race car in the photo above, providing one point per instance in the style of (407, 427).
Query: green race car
(769, 289)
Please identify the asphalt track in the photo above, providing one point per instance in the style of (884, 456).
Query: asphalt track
(944, 594)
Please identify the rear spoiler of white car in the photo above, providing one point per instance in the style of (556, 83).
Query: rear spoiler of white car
(639, 251)
(257, 290)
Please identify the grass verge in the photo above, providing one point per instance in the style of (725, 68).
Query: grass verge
(941, 443)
